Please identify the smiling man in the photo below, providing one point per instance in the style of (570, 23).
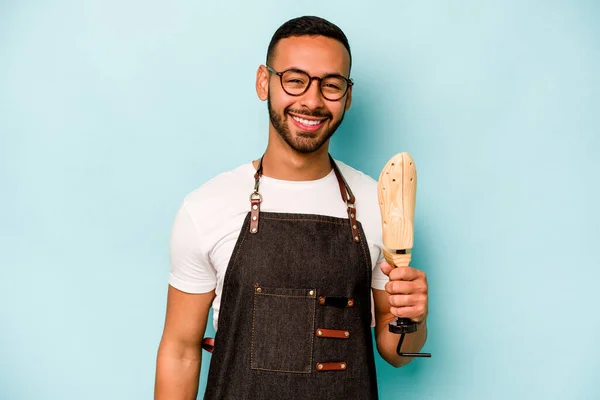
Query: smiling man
(286, 249)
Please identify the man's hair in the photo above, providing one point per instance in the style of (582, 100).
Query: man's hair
(307, 26)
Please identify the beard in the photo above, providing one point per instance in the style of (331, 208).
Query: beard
(304, 143)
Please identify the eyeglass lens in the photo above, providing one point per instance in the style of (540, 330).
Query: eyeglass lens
(296, 82)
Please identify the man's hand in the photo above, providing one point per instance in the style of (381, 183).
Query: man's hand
(407, 291)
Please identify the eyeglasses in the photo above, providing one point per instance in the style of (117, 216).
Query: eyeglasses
(296, 82)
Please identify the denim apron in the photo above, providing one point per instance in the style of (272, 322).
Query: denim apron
(295, 319)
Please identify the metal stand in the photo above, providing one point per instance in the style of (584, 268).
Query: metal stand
(402, 326)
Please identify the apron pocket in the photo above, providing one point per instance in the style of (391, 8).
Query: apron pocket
(283, 329)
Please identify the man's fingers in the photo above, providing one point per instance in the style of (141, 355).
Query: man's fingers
(407, 300)
(398, 287)
(405, 274)
(416, 313)
(406, 287)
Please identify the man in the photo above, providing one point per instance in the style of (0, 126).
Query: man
(287, 251)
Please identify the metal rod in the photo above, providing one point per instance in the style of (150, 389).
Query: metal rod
(401, 354)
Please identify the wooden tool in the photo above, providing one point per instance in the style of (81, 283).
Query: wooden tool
(397, 197)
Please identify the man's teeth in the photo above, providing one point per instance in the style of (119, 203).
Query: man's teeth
(307, 122)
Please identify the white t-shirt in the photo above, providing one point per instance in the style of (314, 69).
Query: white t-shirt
(209, 221)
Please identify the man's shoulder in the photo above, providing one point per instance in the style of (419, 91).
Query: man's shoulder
(222, 189)
(357, 178)
(364, 188)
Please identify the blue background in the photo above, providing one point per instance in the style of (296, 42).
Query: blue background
(112, 111)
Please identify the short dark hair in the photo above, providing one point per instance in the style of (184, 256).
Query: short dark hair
(307, 26)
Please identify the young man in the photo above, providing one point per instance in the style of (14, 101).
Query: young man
(287, 251)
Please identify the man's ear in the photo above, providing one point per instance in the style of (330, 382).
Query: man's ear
(348, 98)
(262, 83)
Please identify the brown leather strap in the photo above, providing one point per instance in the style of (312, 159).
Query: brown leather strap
(208, 344)
(353, 223)
(254, 213)
(347, 196)
(333, 333)
(255, 200)
(339, 302)
(332, 366)
(345, 191)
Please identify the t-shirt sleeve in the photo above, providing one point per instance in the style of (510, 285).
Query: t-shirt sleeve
(191, 270)
(378, 278)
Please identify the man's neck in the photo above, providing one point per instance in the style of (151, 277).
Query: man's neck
(284, 163)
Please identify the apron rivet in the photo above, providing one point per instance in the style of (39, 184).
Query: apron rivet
(347, 334)
(321, 300)
(350, 303)
(255, 207)
(319, 366)
(343, 366)
(320, 333)
(354, 226)
(258, 290)
(351, 215)
(311, 293)
(254, 218)
(253, 230)
(356, 238)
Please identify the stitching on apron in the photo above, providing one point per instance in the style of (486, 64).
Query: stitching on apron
(364, 253)
(240, 246)
(312, 342)
(302, 219)
(312, 336)
(284, 295)
(252, 341)
(281, 370)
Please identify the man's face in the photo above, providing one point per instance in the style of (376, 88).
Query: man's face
(306, 122)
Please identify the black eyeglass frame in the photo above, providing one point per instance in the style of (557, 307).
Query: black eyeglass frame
(349, 82)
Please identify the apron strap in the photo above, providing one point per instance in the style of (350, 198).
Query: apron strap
(348, 198)
(208, 344)
(346, 193)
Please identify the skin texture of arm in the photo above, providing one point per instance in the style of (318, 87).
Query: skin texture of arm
(180, 352)
(388, 341)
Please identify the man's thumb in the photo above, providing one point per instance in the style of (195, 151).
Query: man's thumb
(386, 268)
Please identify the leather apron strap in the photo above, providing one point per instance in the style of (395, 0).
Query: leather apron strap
(345, 192)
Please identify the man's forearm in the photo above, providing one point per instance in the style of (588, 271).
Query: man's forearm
(177, 374)
(387, 343)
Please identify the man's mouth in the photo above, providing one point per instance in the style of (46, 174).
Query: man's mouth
(309, 125)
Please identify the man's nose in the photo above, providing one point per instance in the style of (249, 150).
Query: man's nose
(312, 98)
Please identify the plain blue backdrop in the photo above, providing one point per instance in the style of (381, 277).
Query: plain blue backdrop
(112, 111)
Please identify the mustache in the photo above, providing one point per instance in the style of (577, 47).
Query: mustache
(308, 113)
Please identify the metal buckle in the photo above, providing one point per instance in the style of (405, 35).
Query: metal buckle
(253, 196)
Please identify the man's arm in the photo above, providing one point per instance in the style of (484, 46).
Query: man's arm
(180, 352)
(405, 296)
(387, 342)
